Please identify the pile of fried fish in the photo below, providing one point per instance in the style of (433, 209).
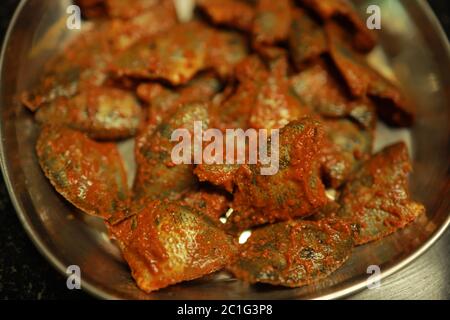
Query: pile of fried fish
(136, 72)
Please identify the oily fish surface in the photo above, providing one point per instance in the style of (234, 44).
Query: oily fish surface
(233, 13)
(101, 112)
(87, 173)
(157, 176)
(298, 66)
(82, 63)
(293, 253)
(376, 199)
(392, 105)
(179, 54)
(167, 243)
(163, 101)
(295, 190)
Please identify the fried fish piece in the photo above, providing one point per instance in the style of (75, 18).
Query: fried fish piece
(329, 212)
(145, 24)
(393, 107)
(294, 253)
(81, 64)
(231, 13)
(234, 111)
(275, 104)
(272, 21)
(376, 199)
(350, 64)
(263, 98)
(221, 175)
(210, 202)
(344, 12)
(346, 147)
(319, 87)
(101, 112)
(335, 165)
(157, 176)
(52, 86)
(270, 53)
(89, 174)
(295, 190)
(167, 243)
(180, 53)
(307, 39)
(225, 50)
(163, 101)
(175, 56)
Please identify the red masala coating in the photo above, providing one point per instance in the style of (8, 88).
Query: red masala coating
(263, 98)
(88, 174)
(335, 165)
(164, 101)
(376, 199)
(296, 190)
(81, 64)
(275, 104)
(362, 80)
(270, 53)
(320, 88)
(221, 175)
(157, 176)
(233, 13)
(145, 24)
(180, 53)
(344, 12)
(293, 253)
(272, 21)
(210, 202)
(101, 112)
(346, 147)
(350, 64)
(234, 111)
(168, 229)
(131, 8)
(167, 243)
(85, 60)
(307, 39)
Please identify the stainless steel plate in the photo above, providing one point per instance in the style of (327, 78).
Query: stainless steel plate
(418, 54)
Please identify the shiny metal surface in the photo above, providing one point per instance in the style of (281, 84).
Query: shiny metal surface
(415, 48)
(428, 277)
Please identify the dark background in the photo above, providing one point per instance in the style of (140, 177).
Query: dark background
(24, 273)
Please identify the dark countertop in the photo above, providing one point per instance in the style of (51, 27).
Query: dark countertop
(25, 274)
